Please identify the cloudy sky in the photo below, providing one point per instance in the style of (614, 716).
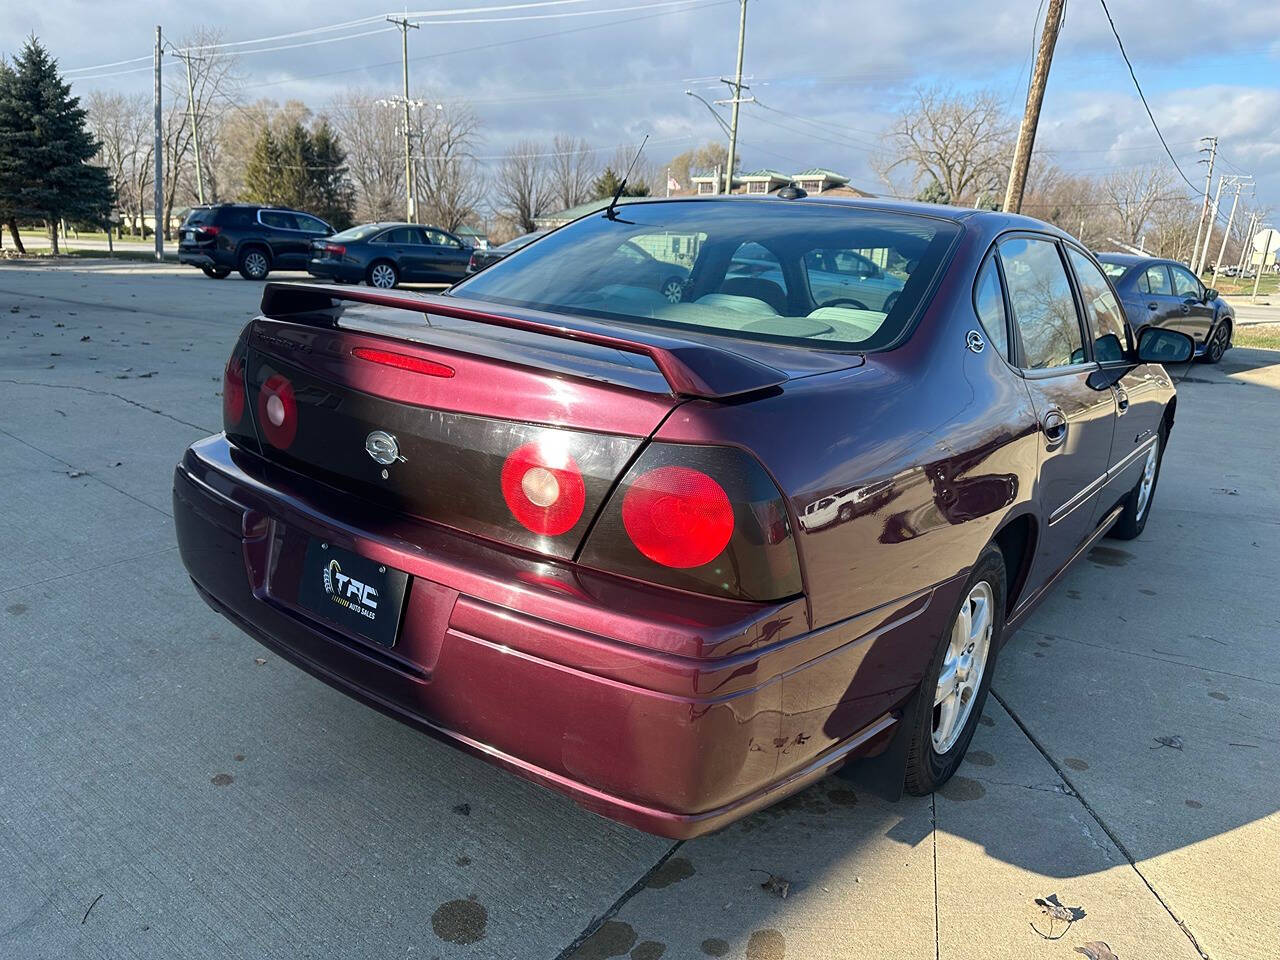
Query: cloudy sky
(827, 73)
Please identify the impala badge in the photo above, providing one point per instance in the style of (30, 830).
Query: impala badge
(974, 341)
(383, 448)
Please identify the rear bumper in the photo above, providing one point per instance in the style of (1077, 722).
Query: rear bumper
(335, 270)
(194, 259)
(673, 714)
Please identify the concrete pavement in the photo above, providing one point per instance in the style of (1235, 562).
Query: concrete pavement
(192, 800)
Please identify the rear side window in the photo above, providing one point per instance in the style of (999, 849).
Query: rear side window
(200, 215)
(1043, 306)
(311, 224)
(1110, 339)
(1184, 283)
(401, 235)
(438, 238)
(1156, 280)
(278, 219)
(988, 301)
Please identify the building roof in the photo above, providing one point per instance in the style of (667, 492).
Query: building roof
(821, 173)
(766, 174)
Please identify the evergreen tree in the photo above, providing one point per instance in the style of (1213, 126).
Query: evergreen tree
(606, 185)
(303, 170)
(262, 172)
(333, 197)
(934, 193)
(45, 147)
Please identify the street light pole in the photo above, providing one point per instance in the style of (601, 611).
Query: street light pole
(158, 151)
(405, 24)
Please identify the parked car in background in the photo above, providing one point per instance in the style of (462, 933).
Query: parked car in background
(386, 254)
(482, 258)
(1164, 293)
(836, 278)
(250, 238)
(679, 559)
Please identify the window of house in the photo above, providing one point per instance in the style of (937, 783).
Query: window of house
(1043, 306)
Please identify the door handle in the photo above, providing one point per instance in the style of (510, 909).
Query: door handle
(1054, 427)
(1153, 306)
(1122, 400)
(1186, 307)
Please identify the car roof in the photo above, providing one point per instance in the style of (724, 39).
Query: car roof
(988, 221)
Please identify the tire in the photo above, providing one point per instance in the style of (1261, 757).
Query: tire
(1137, 507)
(215, 273)
(255, 263)
(1218, 343)
(845, 514)
(382, 274)
(673, 289)
(890, 302)
(940, 738)
(846, 302)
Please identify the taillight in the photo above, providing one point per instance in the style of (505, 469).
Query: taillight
(278, 411)
(471, 264)
(233, 392)
(210, 230)
(701, 518)
(543, 488)
(403, 361)
(677, 517)
(335, 249)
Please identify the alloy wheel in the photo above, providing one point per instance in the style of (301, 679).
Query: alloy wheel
(963, 666)
(255, 264)
(1148, 481)
(1218, 346)
(673, 290)
(383, 276)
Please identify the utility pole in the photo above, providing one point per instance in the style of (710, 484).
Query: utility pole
(1208, 185)
(1031, 115)
(186, 58)
(737, 100)
(1247, 247)
(159, 153)
(1266, 252)
(1226, 234)
(405, 24)
(1198, 267)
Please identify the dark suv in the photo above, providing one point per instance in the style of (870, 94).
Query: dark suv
(248, 237)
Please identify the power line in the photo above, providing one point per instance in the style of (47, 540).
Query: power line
(1143, 97)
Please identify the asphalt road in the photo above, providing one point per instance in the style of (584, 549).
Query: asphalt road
(170, 790)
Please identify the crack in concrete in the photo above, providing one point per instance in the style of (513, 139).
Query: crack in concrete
(937, 929)
(86, 473)
(1147, 656)
(1058, 789)
(618, 904)
(108, 393)
(1111, 835)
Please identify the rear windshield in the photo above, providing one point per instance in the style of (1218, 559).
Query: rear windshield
(1113, 270)
(199, 215)
(815, 274)
(521, 241)
(359, 233)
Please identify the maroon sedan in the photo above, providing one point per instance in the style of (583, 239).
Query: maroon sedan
(679, 559)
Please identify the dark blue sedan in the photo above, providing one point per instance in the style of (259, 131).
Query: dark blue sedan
(1164, 293)
(387, 254)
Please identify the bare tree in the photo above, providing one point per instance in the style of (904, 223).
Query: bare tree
(375, 154)
(522, 188)
(573, 169)
(215, 83)
(123, 125)
(960, 141)
(705, 159)
(448, 180)
(1132, 194)
(1171, 231)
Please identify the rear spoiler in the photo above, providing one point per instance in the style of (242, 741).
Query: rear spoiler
(691, 368)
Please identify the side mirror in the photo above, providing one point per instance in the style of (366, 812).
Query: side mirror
(1210, 294)
(1162, 345)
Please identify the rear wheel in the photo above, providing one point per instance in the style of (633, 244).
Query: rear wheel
(673, 289)
(254, 264)
(382, 275)
(1137, 505)
(955, 686)
(1217, 345)
(215, 273)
